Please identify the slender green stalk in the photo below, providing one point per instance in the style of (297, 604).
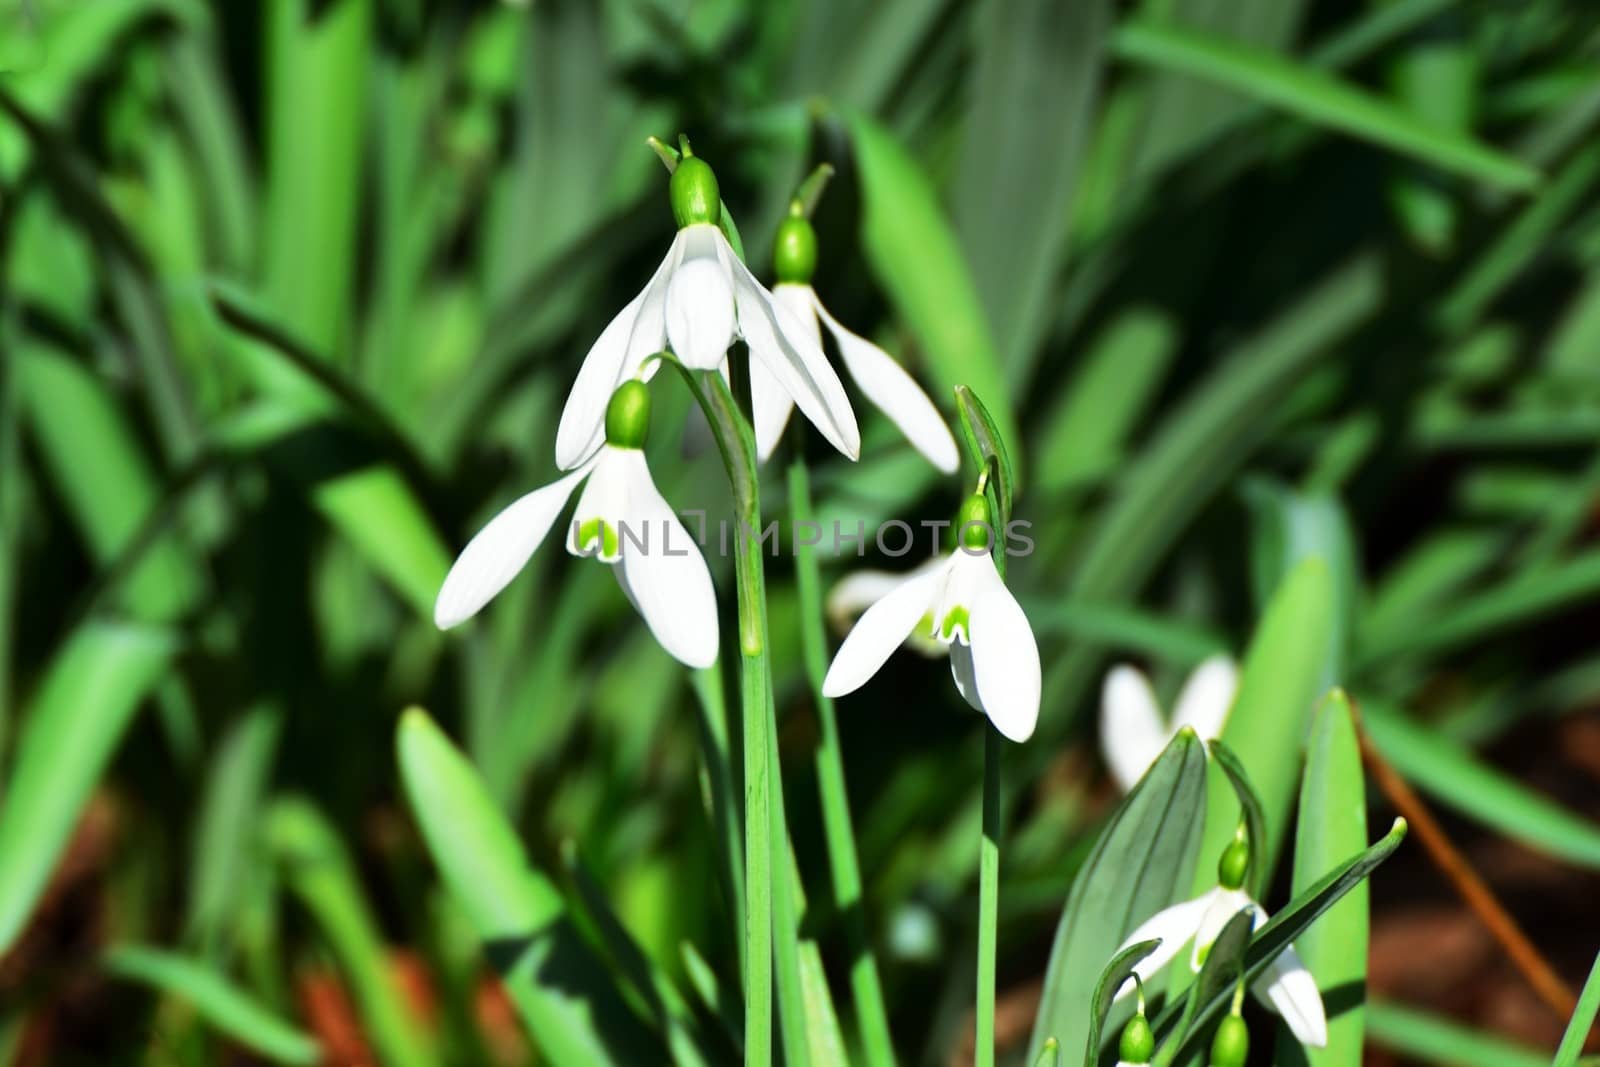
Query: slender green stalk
(765, 829)
(988, 896)
(754, 693)
(1582, 1021)
(723, 807)
(837, 826)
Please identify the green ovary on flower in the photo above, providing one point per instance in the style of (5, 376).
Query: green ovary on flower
(1138, 1043)
(695, 195)
(628, 415)
(1231, 1046)
(1234, 863)
(794, 250)
(975, 523)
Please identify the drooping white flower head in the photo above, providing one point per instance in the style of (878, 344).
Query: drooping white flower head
(874, 371)
(698, 302)
(1133, 732)
(993, 655)
(621, 519)
(1286, 986)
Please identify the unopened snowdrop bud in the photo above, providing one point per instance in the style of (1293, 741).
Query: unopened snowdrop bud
(794, 252)
(974, 524)
(1234, 863)
(628, 415)
(1138, 1042)
(695, 196)
(1231, 1045)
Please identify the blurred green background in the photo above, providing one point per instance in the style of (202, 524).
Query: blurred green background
(291, 293)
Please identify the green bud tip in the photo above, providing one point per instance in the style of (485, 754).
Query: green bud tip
(1234, 863)
(975, 523)
(695, 196)
(794, 252)
(1138, 1043)
(1231, 1045)
(628, 415)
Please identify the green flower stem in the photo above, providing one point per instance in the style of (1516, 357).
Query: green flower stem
(837, 827)
(988, 895)
(764, 827)
(720, 800)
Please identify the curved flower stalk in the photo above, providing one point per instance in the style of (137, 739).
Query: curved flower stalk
(1286, 986)
(1132, 731)
(882, 380)
(994, 658)
(621, 519)
(697, 303)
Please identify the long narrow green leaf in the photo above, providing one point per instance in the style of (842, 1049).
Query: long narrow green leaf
(915, 257)
(1450, 773)
(99, 466)
(1332, 827)
(75, 721)
(316, 67)
(1140, 864)
(321, 873)
(224, 1006)
(1582, 1021)
(226, 838)
(1319, 98)
(1033, 95)
(560, 990)
(1279, 683)
(1431, 1039)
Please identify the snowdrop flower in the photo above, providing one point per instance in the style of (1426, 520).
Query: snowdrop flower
(875, 372)
(1286, 986)
(993, 656)
(621, 519)
(700, 299)
(1132, 733)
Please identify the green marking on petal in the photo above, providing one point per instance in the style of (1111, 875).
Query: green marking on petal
(956, 618)
(591, 531)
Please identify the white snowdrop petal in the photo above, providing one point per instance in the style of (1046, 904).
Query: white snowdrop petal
(881, 630)
(1005, 656)
(605, 497)
(770, 409)
(889, 386)
(501, 549)
(770, 403)
(666, 576)
(1207, 697)
(634, 334)
(780, 342)
(961, 670)
(699, 312)
(1132, 734)
(1292, 992)
(1224, 906)
(1175, 926)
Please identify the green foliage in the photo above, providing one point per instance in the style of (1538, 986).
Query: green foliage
(1138, 866)
(1331, 827)
(1282, 315)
